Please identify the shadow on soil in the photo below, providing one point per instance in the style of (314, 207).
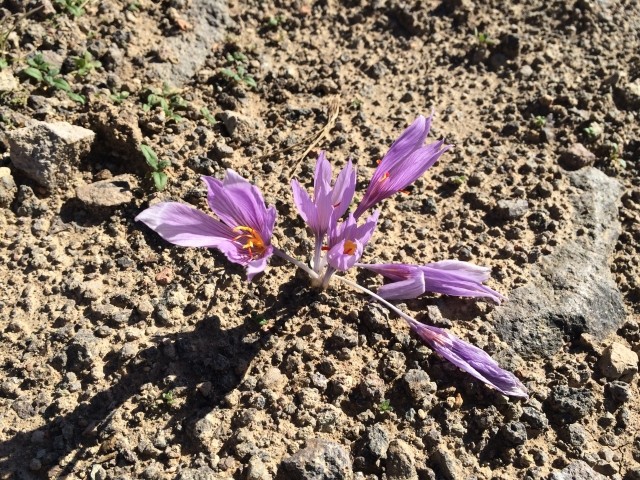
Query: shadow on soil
(182, 360)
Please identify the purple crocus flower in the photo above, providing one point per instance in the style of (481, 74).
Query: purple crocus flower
(347, 240)
(244, 233)
(407, 159)
(472, 360)
(451, 277)
(326, 200)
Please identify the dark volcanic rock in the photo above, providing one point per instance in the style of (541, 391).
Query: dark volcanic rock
(572, 290)
(568, 405)
(577, 470)
(319, 460)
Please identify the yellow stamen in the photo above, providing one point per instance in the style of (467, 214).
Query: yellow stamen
(254, 243)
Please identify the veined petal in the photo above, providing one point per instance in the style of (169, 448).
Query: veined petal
(344, 189)
(410, 140)
(412, 287)
(237, 202)
(471, 359)
(458, 283)
(404, 173)
(468, 270)
(306, 208)
(259, 264)
(185, 226)
(322, 174)
(365, 231)
(393, 271)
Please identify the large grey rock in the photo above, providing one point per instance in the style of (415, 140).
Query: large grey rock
(48, 152)
(107, 193)
(577, 470)
(185, 53)
(319, 460)
(400, 461)
(572, 290)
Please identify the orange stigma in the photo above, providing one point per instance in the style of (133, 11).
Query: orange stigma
(349, 247)
(254, 243)
(384, 177)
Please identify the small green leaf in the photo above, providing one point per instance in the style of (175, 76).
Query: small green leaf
(33, 73)
(76, 97)
(150, 156)
(204, 111)
(159, 180)
(250, 81)
(61, 83)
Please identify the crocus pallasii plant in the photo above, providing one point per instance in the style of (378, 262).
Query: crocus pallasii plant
(245, 225)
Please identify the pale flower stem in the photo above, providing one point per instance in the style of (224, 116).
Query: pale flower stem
(297, 263)
(317, 256)
(352, 284)
(328, 273)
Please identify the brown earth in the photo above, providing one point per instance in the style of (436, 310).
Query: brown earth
(122, 356)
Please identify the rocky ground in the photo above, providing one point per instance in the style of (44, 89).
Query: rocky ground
(122, 356)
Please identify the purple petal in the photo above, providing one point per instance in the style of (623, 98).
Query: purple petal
(458, 283)
(364, 232)
(239, 203)
(259, 264)
(185, 226)
(393, 271)
(342, 261)
(306, 208)
(410, 140)
(322, 174)
(406, 161)
(412, 287)
(471, 359)
(470, 271)
(344, 189)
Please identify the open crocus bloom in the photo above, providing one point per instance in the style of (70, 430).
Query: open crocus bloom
(326, 199)
(407, 159)
(347, 240)
(450, 277)
(472, 360)
(244, 233)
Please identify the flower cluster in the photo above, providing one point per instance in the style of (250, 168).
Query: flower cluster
(245, 226)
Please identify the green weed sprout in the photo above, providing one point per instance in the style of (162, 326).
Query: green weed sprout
(385, 406)
(204, 111)
(237, 71)
(85, 64)
(539, 121)
(43, 72)
(74, 7)
(275, 21)
(118, 97)
(157, 167)
(483, 38)
(168, 100)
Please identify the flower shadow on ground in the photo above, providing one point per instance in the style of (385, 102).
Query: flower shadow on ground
(206, 353)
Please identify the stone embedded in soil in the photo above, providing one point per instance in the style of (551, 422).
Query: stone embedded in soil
(113, 192)
(400, 461)
(575, 157)
(186, 52)
(511, 209)
(8, 81)
(577, 470)
(619, 362)
(318, 460)
(572, 290)
(446, 463)
(48, 152)
(8, 188)
(239, 126)
(568, 405)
